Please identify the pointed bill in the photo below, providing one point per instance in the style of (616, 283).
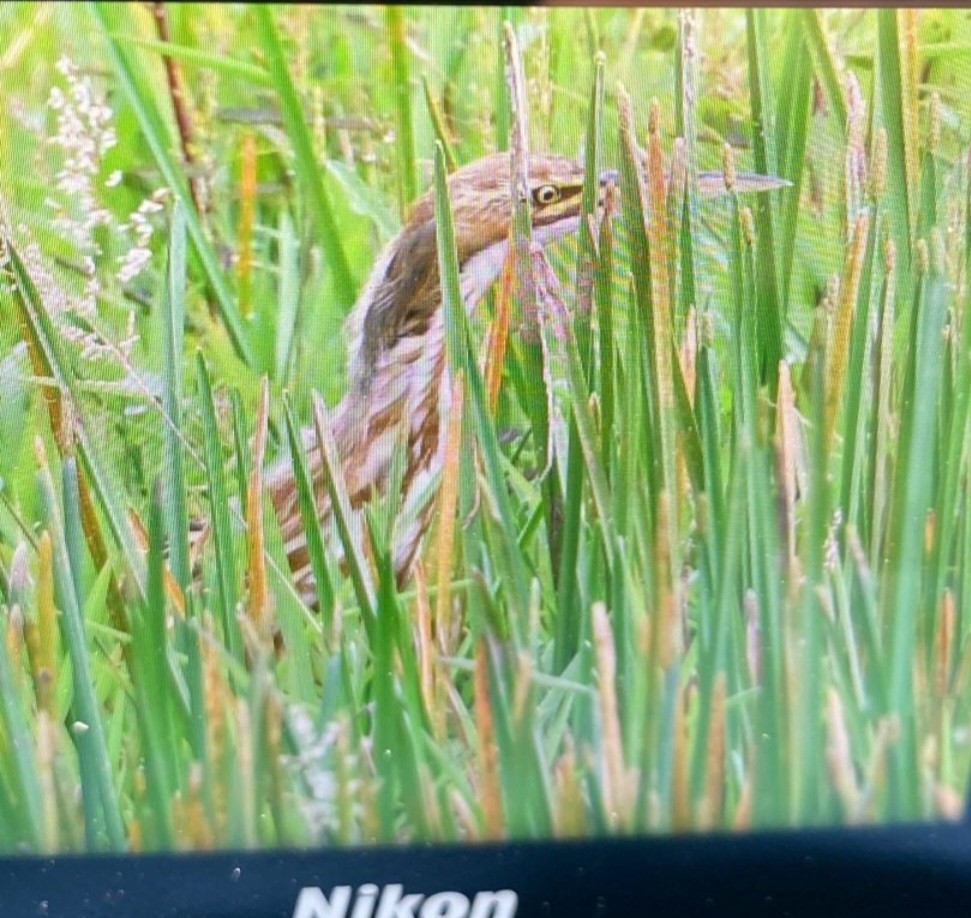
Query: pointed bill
(712, 184)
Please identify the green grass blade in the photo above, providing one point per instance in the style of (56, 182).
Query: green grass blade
(156, 136)
(771, 316)
(401, 87)
(289, 299)
(825, 64)
(461, 360)
(344, 517)
(219, 518)
(527, 347)
(792, 127)
(893, 116)
(308, 512)
(173, 337)
(567, 636)
(42, 336)
(438, 124)
(150, 678)
(235, 69)
(912, 499)
(305, 162)
(20, 745)
(89, 734)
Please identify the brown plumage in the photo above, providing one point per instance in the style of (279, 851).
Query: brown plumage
(397, 374)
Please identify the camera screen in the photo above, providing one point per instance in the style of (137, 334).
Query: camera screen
(465, 424)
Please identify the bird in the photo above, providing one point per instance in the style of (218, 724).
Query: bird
(397, 374)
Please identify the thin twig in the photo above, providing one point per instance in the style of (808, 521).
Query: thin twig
(177, 94)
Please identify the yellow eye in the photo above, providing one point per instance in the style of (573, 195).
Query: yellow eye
(546, 194)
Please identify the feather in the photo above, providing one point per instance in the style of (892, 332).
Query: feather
(398, 379)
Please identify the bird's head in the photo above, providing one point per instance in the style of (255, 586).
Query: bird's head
(404, 291)
(482, 204)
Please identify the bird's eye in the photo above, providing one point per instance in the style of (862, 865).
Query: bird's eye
(546, 194)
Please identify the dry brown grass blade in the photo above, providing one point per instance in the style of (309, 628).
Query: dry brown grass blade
(944, 644)
(14, 639)
(659, 235)
(887, 733)
(668, 618)
(715, 791)
(189, 814)
(463, 814)
(245, 770)
(499, 336)
(343, 791)
(843, 321)
(172, 588)
(272, 755)
(259, 597)
(136, 836)
(616, 780)
(490, 791)
(448, 507)
(180, 109)
(60, 414)
(427, 652)
(910, 80)
(370, 819)
(429, 794)
(680, 757)
(664, 352)
(45, 665)
(522, 695)
(949, 803)
(52, 394)
(46, 757)
(569, 816)
(839, 757)
(217, 701)
(742, 820)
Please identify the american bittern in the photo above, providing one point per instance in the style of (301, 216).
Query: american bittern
(397, 373)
